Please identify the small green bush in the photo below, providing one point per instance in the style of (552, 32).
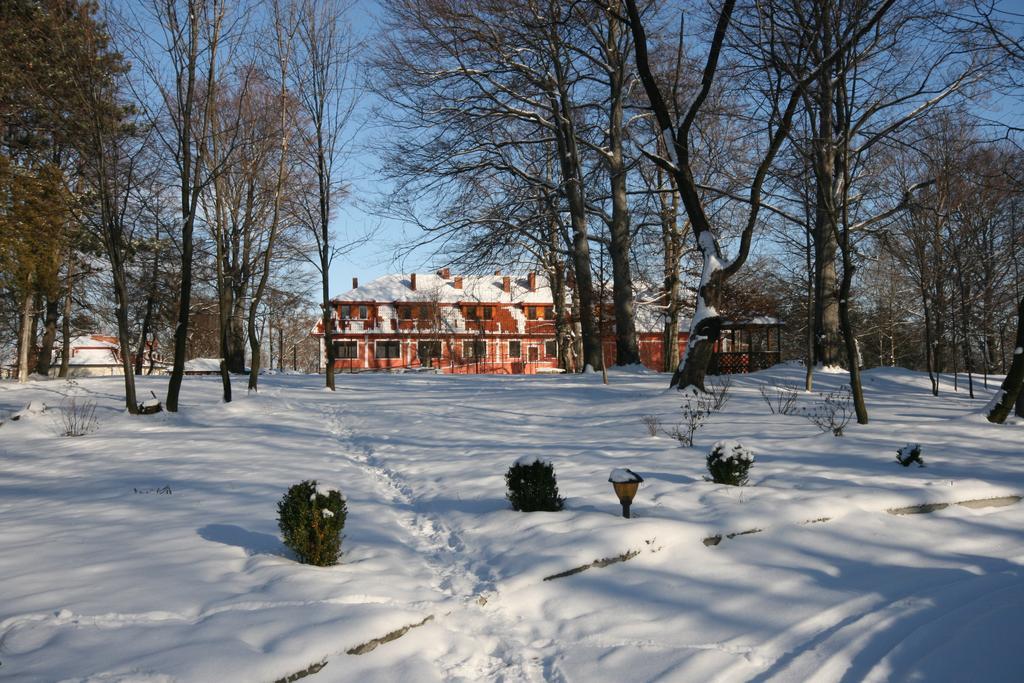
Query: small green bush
(532, 486)
(909, 454)
(311, 518)
(729, 462)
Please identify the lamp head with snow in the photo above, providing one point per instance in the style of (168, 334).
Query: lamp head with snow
(625, 482)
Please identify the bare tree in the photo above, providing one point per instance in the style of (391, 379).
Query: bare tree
(492, 97)
(675, 128)
(284, 25)
(112, 152)
(185, 75)
(322, 73)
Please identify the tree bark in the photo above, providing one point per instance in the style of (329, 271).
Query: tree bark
(573, 189)
(672, 249)
(1010, 394)
(25, 343)
(52, 312)
(65, 322)
(627, 348)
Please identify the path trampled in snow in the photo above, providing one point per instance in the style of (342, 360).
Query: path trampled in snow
(104, 577)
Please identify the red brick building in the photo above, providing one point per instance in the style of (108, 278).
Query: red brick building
(466, 324)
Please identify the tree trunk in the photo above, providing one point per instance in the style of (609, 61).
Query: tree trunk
(826, 309)
(1010, 394)
(328, 334)
(573, 187)
(124, 339)
(52, 312)
(850, 340)
(811, 336)
(254, 351)
(65, 322)
(147, 320)
(25, 343)
(671, 246)
(627, 348)
(181, 329)
(236, 337)
(704, 329)
(929, 344)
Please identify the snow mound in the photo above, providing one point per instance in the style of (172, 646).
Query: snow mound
(624, 475)
(33, 409)
(729, 449)
(527, 460)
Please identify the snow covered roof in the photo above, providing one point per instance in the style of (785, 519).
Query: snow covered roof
(766, 320)
(94, 356)
(203, 365)
(433, 287)
(93, 341)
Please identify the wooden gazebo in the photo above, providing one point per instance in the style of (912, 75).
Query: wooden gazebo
(747, 346)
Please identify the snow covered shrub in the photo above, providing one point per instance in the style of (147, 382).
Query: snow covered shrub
(909, 454)
(718, 390)
(311, 518)
(780, 400)
(653, 424)
(532, 486)
(833, 412)
(729, 462)
(696, 409)
(78, 416)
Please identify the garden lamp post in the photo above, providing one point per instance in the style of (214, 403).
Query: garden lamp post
(625, 482)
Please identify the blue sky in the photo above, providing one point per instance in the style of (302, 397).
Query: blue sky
(355, 216)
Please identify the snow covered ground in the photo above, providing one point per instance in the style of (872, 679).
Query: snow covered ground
(149, 550)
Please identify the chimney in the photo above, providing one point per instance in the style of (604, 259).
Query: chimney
(497, 272)
(506, 284)
(412, 282)
(355, 283)
(458, 282)
(532, 281)
(444, 273)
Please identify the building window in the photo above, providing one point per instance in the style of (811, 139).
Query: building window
(549, 312)
(405, 312)
(346, 349)
(424, 312)
(364, 313)
(426, 350)
(534, 354)
(474, 349)
(488, 312)
(346, 312)
(531, 312)
(387, 349)
(550, 348)
(515, 349)
(471, 313)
